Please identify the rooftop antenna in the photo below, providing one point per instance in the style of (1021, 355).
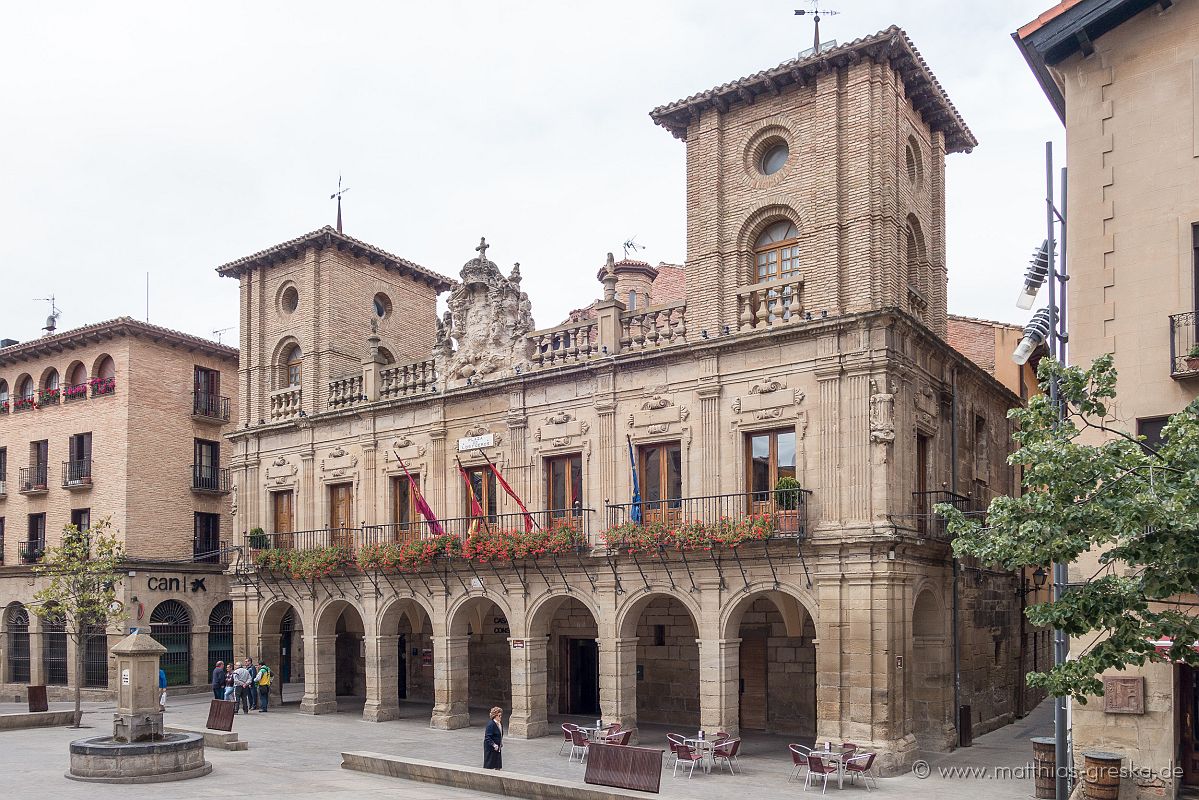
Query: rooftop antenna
(337, 195)
(630, 246)
(217, 333)
(52, 320)
(816, 12)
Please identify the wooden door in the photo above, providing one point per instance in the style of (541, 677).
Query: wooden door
(283, 514)
(341, 510)
(1188, 723)
(753, 681)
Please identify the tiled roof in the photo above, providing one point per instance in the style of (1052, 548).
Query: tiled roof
(327, 236)
(121, 326)
(891, 45)
(1046, 16)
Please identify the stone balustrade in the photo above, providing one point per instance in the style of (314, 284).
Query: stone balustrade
(285, 403)
(770, 303)
(404, 380)
(656, 326)
(345, 391)
(565, 344)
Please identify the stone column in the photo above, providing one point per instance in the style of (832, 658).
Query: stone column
(451, 676)
(320, 675)
(306, 509)
(719, 672)
(371, 365)
(370, 486)
(382, 679)
(268, 650)
(529, 714)
(618, 680)
(199, 661)
(37, 665)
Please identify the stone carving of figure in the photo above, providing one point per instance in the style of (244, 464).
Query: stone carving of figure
(882, 415)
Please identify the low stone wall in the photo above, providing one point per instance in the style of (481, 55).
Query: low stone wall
(509, 784)
(36, 719)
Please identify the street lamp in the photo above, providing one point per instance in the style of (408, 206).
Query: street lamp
(1039, 577)
(1034, 277)
(1036, 332)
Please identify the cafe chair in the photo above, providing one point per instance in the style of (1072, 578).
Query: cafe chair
(861, 765)
(578, 745)
(688, 755)
(816, 766)
(567, 727)
(799, 757)
(726, 753)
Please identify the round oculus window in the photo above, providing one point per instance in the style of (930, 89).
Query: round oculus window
(290, 300)
(382, 305)
(774, 158)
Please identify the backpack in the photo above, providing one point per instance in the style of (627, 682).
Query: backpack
(264, 677)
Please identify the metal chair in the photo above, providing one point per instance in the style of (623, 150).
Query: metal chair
(861, 765)
(675, 741)
(567, 727)
(726, 752)
(688, 755)
(621, 738)
(799, 757)
(578, 745)
(816, 766)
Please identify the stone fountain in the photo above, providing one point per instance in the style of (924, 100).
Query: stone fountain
(138, 751)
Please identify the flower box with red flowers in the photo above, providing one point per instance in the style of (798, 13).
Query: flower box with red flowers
(4, 407)
(24, 403)
(102, 386)
(47, 397)
(76, 391)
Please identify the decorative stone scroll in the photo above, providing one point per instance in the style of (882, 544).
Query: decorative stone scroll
(768, 399)
(657, 415)
(560, 430)
(281, 472)
(927, 409)
(408, 450)
(338, 463)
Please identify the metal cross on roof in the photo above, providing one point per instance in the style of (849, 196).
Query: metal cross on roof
(482, 248)
(816, 12)
(337, 195)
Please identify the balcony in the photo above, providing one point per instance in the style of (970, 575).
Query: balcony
(24, 403)
(48, 397)
(285, 403)
(77, 474)
(33, 479)
(1184, 345)
(721, 517)
(3, 487)
(208, 406)
(74, 393)
(204, 553)
(102, 387)
(770, 303)
(31, 550)
(928, 522)
(210, 480)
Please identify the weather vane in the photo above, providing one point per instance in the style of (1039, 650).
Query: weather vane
(337, 195)
(816, 12)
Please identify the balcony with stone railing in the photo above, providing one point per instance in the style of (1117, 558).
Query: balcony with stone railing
(285, 403)
(405, 380)
(345, 391)
(571, 343)
(770, 303)
(656, 326)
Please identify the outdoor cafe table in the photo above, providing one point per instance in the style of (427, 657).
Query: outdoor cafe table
(705, 746)
(836, 756)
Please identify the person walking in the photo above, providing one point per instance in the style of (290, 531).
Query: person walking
(263, 682)
(241, 683)
(162, 688)
(253, 685)
(230, 689)
(493, 741)
(218, 680)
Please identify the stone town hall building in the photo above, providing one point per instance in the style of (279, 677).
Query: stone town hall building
(810, 342)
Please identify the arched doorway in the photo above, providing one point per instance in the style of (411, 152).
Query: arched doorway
(406, 657)
(667, 671)
(572, 656)
(291, 648)
(489, 658)
(775, 664)
(281, 646)
(171, 627)
(220, 634)
(16, 630)
(930, 687)
(342, 623)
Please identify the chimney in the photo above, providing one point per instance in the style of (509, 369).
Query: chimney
(8, 343)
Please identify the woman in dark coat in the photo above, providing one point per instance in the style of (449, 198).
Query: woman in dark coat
(493, 741)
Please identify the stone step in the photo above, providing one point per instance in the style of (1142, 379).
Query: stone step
(222, 739)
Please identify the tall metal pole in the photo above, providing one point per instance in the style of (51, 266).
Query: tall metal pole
(1057, 350)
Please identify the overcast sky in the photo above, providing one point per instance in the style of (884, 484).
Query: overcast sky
(169, 139)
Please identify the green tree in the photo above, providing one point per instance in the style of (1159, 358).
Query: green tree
(80, 577)
(1091, 487)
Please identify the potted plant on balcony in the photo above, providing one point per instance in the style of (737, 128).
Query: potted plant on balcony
(258, 539)
(787, 497)
(1192, 358)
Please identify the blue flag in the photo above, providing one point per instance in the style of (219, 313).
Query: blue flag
(635, 511)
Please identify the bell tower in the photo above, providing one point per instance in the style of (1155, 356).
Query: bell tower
(817, 187)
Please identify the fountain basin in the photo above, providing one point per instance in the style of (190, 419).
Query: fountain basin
(173, 757)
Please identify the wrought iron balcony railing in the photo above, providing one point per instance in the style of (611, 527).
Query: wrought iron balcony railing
(30, 551)
(77, 474)
(784, 512)
(1184, 345)
(928, 522)
(210, 406)
(203, 552)
(210, 479)
(33, 478)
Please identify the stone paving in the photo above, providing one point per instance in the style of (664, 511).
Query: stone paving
(294, 754)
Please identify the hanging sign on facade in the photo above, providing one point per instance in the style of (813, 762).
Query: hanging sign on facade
(476, 442)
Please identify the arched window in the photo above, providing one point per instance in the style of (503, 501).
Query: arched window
(25, 388)
(388, 358)
(776, 252)
(104, 377)
(106, 368)
(293, 363)
(220, 633)
(917, 269)
(50, 380)
(54, 650)
(77, 374)
(171, 627)
(3, 396)
(914, 163)
(16, 628)
(95, 657)
(632, 299)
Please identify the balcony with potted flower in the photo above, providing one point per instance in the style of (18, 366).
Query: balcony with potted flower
(73, 392)
(48, 396)
(102, 387)
(24, 403)
(33, 479)
(77, 474)
(1184, 345)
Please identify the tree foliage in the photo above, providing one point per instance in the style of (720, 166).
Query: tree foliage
(1091, 487)
(79, 588)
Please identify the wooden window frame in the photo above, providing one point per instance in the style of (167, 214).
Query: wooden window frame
(664, 497)
(773, 465)
(573, 462)
(486, 495)
(399, 489)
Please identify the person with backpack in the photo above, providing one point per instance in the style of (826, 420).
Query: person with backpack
(263, 682)
(162, 687)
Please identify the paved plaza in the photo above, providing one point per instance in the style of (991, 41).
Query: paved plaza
(293, 754)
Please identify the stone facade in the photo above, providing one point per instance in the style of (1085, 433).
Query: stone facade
(130, 388)
(1128, 92)
(840, 370)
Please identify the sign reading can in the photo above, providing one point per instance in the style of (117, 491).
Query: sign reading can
(476, 442)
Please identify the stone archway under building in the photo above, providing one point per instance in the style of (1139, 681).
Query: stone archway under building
(474, 662)
(281, 646)
(654, 664)
(400, 661)
(930, 687)
(335, 667)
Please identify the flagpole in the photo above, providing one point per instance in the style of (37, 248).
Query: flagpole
(421, 505)
(510, 490)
